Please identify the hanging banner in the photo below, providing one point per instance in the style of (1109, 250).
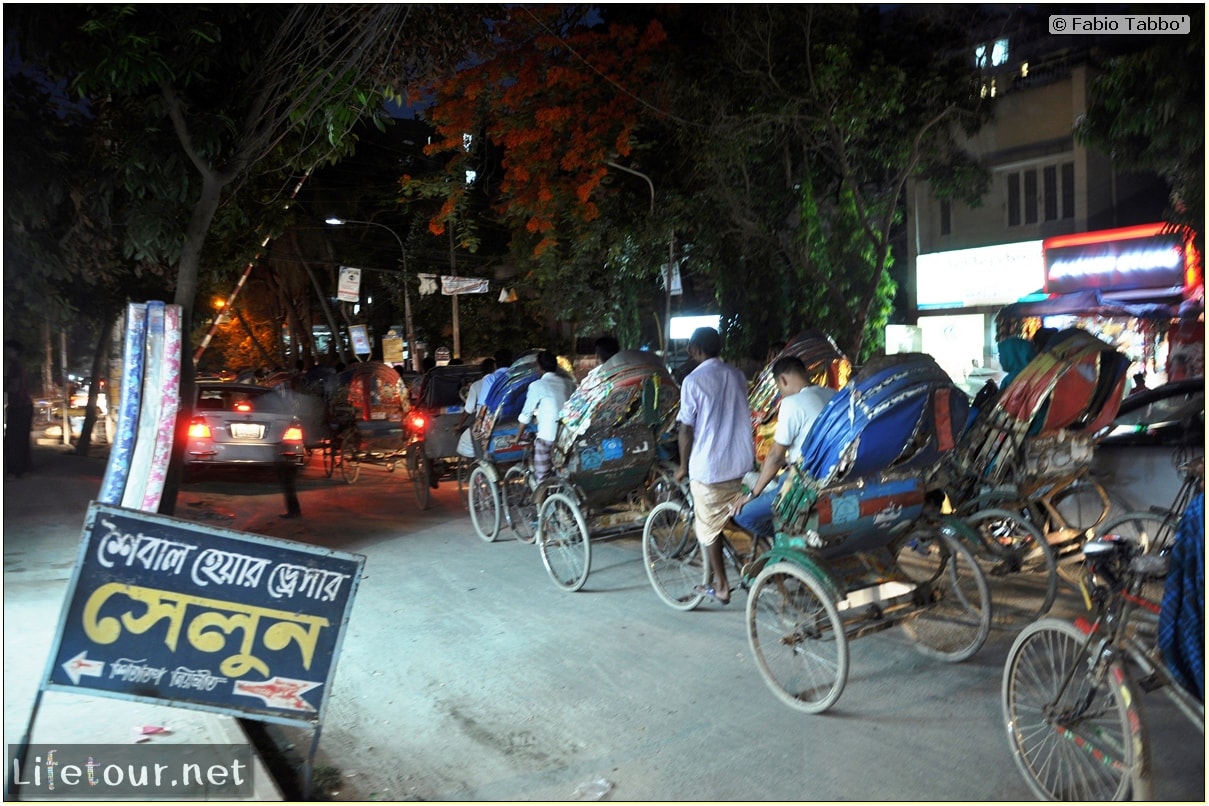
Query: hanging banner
(349, 288)
(463, 285)
(360, 338)
(428, 284)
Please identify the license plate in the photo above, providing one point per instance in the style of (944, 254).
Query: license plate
(247, 430)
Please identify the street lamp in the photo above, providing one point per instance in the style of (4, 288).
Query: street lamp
(411, 334)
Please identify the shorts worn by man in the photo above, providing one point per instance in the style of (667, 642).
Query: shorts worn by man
(716, 446)
(544, 401)
(801, 404)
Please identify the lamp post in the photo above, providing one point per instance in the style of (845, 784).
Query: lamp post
(411, 335)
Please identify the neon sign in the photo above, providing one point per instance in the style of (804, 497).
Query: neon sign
(1129, 258)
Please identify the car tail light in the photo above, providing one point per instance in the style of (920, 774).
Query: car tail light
(417, 422)
(293, 433)
(198, 429)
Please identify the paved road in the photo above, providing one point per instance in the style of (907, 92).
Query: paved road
(465, 674)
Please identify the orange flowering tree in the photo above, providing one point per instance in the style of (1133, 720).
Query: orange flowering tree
(538, 121)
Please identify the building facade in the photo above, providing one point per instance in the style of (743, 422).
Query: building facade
(966, 263)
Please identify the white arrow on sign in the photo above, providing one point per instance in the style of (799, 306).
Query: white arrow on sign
(81, 666)
(280, 692)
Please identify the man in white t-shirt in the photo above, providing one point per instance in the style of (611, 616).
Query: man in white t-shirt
(474, 399)
(801, 404)
(544, 402)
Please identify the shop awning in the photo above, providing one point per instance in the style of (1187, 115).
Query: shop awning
(1086, 303)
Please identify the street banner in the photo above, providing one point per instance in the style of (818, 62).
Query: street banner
(166, 611)
(463, 285)
(359, 334)
(349, 288)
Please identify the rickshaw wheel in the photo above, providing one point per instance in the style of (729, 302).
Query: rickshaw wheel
(1019, 564)
(952, 621)
(422, 469)
(350, 463)
(797, 638)
(329, 458)
(521, 509)
(484, 505)
(673, 558)
(563, 538)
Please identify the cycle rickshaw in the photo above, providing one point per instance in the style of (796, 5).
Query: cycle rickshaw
(1021, 472)
(366, 411)
(433, 430)
(498, 447)
(861, 545)
(612, 462)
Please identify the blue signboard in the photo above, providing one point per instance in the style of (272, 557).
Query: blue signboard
(166, 611)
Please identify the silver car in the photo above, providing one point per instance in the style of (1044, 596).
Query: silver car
(235, 424)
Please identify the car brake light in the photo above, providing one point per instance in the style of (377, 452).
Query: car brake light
(198, 429)
(244, 406)
(417, 422)
(293, 434)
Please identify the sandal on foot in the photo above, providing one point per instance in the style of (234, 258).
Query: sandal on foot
(702, 590)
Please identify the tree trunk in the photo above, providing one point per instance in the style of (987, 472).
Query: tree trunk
(98, 365)
(186, 293)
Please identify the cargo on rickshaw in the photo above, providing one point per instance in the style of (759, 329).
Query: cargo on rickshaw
(436, 412)
(366, 410)
(860, 544)
(614, 459)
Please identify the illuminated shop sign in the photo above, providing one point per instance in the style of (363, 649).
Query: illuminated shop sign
(986, 275)
(1141, 257)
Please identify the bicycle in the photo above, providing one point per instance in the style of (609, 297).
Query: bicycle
(675, 563)
(1069, 692)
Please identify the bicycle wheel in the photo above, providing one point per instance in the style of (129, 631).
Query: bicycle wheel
(563, 539)
(1077, 740)
(674, 561)
(421, 474)
(1155, 533)
(462, 474)
(797, 638)
(521, 509)
(954, 620)
(350, 461)
(484, 504)
(1019, 565)
(1072, 514)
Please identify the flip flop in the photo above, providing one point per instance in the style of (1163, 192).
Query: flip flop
(702, 590)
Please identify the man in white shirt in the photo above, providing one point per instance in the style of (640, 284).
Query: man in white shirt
(716, 447)
(474, 399)
(801, 404)
(544, 401)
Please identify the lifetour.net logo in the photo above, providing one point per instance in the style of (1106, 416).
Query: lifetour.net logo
(141, 771)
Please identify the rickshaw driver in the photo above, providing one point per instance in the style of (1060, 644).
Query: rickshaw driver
(801, 404)
(474, 399)
(716, 448)
(544, 399)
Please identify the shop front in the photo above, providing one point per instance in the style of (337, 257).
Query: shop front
(1139, 288)
(958, 294)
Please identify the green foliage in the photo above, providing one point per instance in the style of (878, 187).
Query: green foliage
(1147, 111)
